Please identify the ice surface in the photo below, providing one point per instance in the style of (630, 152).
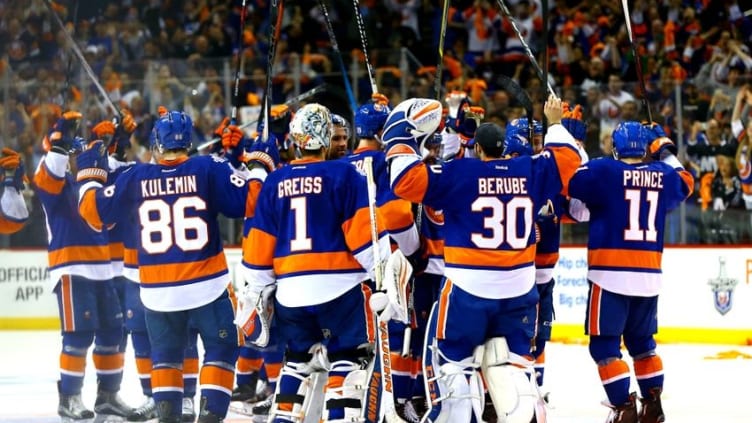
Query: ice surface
(698, 389)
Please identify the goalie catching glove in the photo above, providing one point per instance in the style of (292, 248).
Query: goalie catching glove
(396, 282)
(255, 313)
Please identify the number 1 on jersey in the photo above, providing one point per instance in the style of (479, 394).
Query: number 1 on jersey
(633, 231)
(301, 241)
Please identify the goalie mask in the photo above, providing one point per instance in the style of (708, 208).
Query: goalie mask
(311, 128)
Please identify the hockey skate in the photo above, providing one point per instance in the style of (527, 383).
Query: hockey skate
(652, 410)
(625, 413)
(109, 407)
(247, 392)
(144, 412)
(206, 416)
(260, 411)
(189, 412)
(71, 408)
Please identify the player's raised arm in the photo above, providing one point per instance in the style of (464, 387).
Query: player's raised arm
(13, 211)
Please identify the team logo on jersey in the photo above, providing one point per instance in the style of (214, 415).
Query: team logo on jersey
(723, 288)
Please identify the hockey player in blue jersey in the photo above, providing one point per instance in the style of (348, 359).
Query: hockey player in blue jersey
(488, 297)
(628, 200)
(79, 265)
(182, 266)
(309, 239)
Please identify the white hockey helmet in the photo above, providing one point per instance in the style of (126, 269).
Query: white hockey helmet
(416, 118)
(311, 128)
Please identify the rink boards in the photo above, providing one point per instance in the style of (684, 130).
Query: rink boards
(706, 297)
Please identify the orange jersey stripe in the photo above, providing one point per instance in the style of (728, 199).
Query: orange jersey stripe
(413, 183)
(307, 262)
(108, 361)
(9, 226)
(689, 180)
(260, 248)
(177, 272)
(567, 161)
(488, 258)
(48, 182)
(356, 230)
(130, 256)
(546, 259)
(85, 253)
(254, 188)
(117, 251)
(434, 247)
(614, 257)
(396, 214)
(87, 207)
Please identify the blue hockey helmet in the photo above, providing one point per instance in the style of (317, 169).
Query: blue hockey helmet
(370, 119)
(172, 131)
(517, 136)
(629, 141)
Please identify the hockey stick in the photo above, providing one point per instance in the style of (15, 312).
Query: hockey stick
(335, 46)
(519, 94)
(533, 61)
(440, 62)
(544, 49)
(236, 88)
(638, 62)
(77, 51)
(278, 6)
(66, 86)
(370, 180)
(364, 42)
(295, 100)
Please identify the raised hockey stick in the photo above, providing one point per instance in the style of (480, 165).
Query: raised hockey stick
(84, 64)
(236, 86)
(638, 62)
(295, 100)
(530, 55)
(274, 28)
(519, 94)
(335, 47)
(544, 50)
(364, 43)
(440, 61)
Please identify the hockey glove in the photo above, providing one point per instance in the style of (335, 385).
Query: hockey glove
(571, 119)
(61, 137)
(659, 145)
(13, 169)
(265, 154)
(255, 313)
(233, 144)
(92, 163)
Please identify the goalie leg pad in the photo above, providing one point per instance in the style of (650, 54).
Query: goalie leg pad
(509, 384)
(296, 395)
(344, 392)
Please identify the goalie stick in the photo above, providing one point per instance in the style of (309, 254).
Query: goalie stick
(364, 43)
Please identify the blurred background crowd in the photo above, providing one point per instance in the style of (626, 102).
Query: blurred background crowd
(695, 56)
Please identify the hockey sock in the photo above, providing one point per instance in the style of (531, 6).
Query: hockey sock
(615, 379)
(142, 351)
(540, 367)
(272, 367)
(73, 361)
(108, 359)
(190, 366)
(649, 373)
(167, 382)
(249, 362)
